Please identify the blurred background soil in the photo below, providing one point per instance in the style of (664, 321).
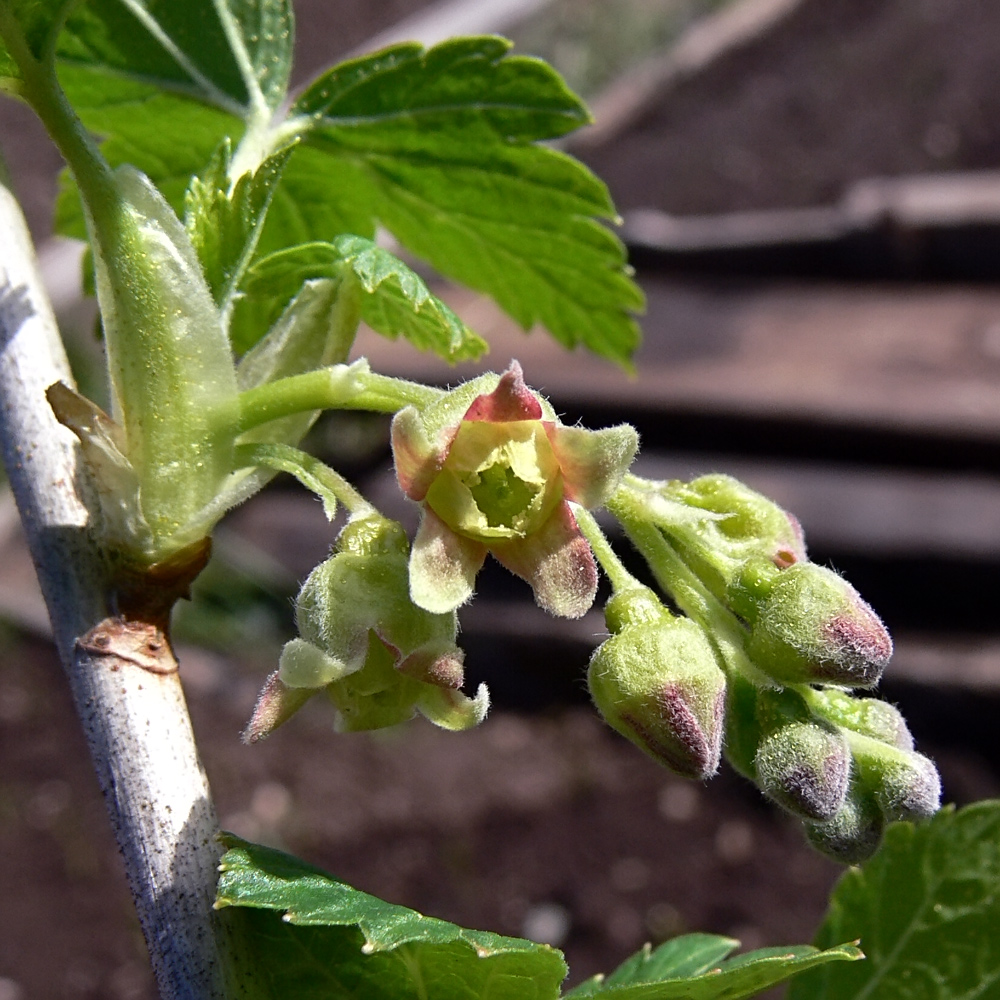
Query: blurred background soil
(543, 822)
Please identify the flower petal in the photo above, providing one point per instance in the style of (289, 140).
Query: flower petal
(418, 456)
(510, 400)
(443, 566)
(558, 563)
(592, 462)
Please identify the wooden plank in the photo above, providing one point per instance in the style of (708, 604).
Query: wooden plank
(921, 359)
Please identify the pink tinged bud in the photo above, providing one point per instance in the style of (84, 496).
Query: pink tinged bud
(805, 767)
(276, 704)
(812, 626)
(905, 784)
(853, 835)
(658, 684)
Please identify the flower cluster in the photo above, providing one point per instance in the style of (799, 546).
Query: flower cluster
(761, 666)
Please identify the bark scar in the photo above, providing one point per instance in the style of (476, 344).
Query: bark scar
(139, 643)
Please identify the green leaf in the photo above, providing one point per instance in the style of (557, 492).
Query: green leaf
(224, 225)
(314, 936)
(37, 23)
(927, 911)
(396, 301)
(168, 137)
(166, 81)
(695, 967)
(439, 146)
(679, 958)
(234, 54)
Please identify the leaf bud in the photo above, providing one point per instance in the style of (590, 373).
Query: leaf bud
(656, 681)
(854, 833)
(809, 625)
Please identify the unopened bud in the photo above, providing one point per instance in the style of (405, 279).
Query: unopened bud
(747, 523)
(657, 682)
(868, 716)
(811, 626)
(805, 767)
(906, 785)
(855, 831)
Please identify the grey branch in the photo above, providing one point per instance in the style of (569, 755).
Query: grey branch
(135, 719)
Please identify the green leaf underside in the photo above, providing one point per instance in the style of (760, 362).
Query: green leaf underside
(927, 911)
(168, 137)
(396, 301)
(228, 53)
(322, 938)
(696, 967)
(164, 84)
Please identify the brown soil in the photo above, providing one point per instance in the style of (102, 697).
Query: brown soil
(840, 91)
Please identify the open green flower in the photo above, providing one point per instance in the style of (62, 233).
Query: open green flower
(379, 658)
(496, 472)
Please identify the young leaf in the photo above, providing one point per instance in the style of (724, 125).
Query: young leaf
(439, 145)
(313, 936)
(927, 911)
(224, 225)
(679, 958)
(396, 301)
(695, 967)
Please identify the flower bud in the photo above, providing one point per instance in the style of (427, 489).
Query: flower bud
(809, 625)
(657, 682)
(855, 831)
(868, 716)
(905, 784)
(804, 767)
(748, 523)
(379, 657)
